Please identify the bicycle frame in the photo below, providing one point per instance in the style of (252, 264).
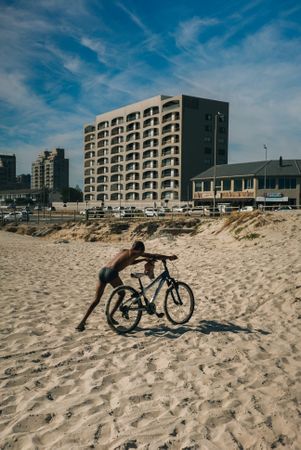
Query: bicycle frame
(161, 279)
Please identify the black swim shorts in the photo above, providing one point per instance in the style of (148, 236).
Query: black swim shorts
(106, 274)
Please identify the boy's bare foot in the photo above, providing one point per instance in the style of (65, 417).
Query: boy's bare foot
(80, 327)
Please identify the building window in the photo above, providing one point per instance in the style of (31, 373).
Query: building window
(249, 183)
(207, 139)
(287, 183)
(208, 128)
(208, 116)
(208, 150)
(222, 130)
(237, 184)
(207, 185)
(268, 183)
(197, 186)
(221, 151)
(227, 185)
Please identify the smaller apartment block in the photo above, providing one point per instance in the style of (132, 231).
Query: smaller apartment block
(253, 183)
(50, 170)
(149, 151)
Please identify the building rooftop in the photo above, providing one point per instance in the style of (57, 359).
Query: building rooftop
(279, 167)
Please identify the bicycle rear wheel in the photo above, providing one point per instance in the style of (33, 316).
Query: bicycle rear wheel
(124, 309)
(179, 303)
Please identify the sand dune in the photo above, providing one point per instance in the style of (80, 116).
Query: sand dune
(229, 379)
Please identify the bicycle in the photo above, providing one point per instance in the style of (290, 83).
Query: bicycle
(127, 304)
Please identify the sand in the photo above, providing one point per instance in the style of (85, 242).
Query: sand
(229, 379)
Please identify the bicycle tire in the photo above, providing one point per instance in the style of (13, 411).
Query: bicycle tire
(129, 311)
(175, 300)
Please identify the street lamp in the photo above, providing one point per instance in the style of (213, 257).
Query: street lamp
(265, 175)
(217, 116)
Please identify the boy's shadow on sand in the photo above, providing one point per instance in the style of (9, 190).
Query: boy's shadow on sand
(204, 327)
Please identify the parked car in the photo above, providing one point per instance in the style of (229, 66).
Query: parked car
(154, 212)
(96, 212)
(51, 208)
(196, 211)
(246, 209)
(210, 211)
(17, 216)
(180, 209)
(284, 208)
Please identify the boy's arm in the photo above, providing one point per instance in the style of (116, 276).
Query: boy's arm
(137, 261)
(160, 257)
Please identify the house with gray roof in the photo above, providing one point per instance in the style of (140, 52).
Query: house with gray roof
(274, 182)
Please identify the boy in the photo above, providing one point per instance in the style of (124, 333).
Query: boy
(110, 273)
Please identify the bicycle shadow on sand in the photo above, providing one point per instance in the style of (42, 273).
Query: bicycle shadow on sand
(204, 327)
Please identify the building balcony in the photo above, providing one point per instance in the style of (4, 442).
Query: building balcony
(133, 137)
(149, 195)
(171, 104)
(150, 154)
(103, 152)
(133, 126)
(133, 146)
(132, 176)
(170, 162)
(89, 172)
(133, 116)
(171, 117)
(150, 174)
(117, 130)
(133, 156)
(103, 161)
(117, 140)
(117, 168)
(116, 149)
(170, 150)
(102, 125)
(117, 121)
(132, 166)
(150, 185)
(150, 143)
(151, 164)
(171, 128)
(151, 132)
(116, 159)
(116, 177)
(132, 196)
(132, 187)
(151, 122)
(89, 155)
(151, 111)
(103, 134)
(102, 188)
(89, 129)
(171, 139)
(102, 179)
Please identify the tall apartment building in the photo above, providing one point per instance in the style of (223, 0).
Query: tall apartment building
(7, 170)
(149, 151)
(50, 170)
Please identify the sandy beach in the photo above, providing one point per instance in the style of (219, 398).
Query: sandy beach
(230, 379)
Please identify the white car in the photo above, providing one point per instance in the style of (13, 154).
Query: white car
(154, 212)
(246, 209)
(17, 216)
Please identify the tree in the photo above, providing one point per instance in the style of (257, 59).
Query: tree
(71, 194)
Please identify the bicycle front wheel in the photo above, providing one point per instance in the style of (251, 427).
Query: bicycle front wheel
(124, 309)
(179, 303)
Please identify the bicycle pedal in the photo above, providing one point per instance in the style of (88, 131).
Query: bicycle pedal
(160, 315)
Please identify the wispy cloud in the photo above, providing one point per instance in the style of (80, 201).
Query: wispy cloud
(189, 31)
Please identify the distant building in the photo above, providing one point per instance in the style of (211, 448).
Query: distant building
(50, 170)
(7, 170)
(148, 151)
(252, 183)
(23, 181)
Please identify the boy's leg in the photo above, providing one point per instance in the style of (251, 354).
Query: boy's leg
(99, 291)
(115, 283)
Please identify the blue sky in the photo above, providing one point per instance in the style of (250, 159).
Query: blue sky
(62, 63)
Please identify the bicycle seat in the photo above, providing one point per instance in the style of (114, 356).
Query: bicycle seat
(137, 274)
